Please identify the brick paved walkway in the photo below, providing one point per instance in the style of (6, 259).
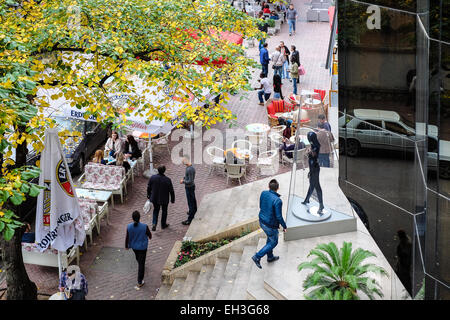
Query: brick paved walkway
(111, 280)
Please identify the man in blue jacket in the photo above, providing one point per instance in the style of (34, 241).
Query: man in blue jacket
(264, 59)
(270, 218)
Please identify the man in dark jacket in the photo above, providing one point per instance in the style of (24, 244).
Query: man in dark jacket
(270, 218)
(158, 190)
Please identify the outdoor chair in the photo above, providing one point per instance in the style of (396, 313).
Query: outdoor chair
(89, 215)
(140, 165)
(104, 177)
(242, 144)
(267, 162)
(216, 156)
(32, 254)
(278, 129)
(102, 211)
(276, 139)
(161, 142)
(298, 156)
(235, 171)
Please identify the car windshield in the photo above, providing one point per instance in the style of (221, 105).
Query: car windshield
(408, 123)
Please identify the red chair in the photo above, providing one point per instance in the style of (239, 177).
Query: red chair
(273, 119)
(321, 93)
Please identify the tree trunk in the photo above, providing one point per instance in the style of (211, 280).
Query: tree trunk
(19, 286)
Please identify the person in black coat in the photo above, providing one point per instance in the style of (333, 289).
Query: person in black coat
(131, 149)
(158, 191)
(314, 170)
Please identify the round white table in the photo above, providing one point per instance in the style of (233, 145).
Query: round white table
(312, 101)
(57, 296)
(257, 128)
(303, 138)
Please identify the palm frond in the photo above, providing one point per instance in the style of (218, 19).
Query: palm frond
(358, 256)
(332, 251)
(346, 252)
(370, 267)
(320, 255)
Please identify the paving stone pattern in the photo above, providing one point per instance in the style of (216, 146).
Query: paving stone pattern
(112, 274)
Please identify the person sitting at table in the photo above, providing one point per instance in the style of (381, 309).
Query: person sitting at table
(288, 146)
(28, 236)
(266, 9)
(131, 148)
(99, 157)
(120, 161)
(274, 16)
(113, 145)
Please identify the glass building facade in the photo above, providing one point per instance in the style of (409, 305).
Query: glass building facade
(394, 132)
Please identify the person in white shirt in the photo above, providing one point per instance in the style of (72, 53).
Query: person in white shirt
(114, 145)
(266, 89)
(278, 61)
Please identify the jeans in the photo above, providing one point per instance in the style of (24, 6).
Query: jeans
(265, 68)
(278, 70)
(324, 160)
(140, 258)
(276, 95)
(272, 241)
(192, 202)
(291, 26)
(285, 69)
(156, 213)
(261, 94)
(294, 84)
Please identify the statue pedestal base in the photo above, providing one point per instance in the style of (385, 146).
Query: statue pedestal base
(303, 221)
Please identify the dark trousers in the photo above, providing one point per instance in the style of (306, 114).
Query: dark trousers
(140, 258)
(192, 202)
(314, 184)
(265, 68)
(156, 213)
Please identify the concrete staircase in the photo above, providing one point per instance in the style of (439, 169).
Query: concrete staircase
(231, 274)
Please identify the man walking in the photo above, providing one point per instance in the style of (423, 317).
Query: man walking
(266, 89)
(189, 185)
(323, 123)
(264, 59)
(291, 16)
(158, 190)
(270, 218)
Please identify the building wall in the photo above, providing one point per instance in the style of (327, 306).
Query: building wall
(395, 56)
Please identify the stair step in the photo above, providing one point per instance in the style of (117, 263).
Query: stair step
(229, 276)
(239, 198)
(163, 292)
(189, 284)
(214, 281)
(255, 288)
(275, 276)
(202, 281)
(176, 289)
(239, 290)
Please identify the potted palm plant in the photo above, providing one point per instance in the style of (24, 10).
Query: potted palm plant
(340, 274)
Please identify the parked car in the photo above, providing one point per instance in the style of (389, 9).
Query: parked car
(365, 130)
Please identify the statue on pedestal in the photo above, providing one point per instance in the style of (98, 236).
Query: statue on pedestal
(314, 170)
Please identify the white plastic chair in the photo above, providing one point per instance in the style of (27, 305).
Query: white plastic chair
(278, 129)
(267, 161)
(235, 171)
(242, 144)
(217, 158)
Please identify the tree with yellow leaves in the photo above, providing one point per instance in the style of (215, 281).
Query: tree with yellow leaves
(85, 51)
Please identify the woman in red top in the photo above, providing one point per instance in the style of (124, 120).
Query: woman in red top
(266, 9)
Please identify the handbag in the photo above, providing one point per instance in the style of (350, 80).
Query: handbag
(274, 66)
(301, 70)
(147, 206)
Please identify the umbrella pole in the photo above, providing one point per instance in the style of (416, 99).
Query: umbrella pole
(59, 264)
(151, 171)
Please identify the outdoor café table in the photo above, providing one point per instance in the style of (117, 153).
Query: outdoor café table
(240, 153)
(313, 102)
(132, 163)
(289, 116)
(97, 195)
(257, 128)
(307, 93)
(57, 296)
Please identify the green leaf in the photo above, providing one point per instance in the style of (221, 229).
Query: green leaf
(34, 191)
(8, 233)
(16, 198)
(2, 225)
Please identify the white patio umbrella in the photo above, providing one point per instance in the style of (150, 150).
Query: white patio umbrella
(58, 220)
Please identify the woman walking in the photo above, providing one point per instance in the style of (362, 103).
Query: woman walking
(137, 238)
(314, 170)
(294, 73)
